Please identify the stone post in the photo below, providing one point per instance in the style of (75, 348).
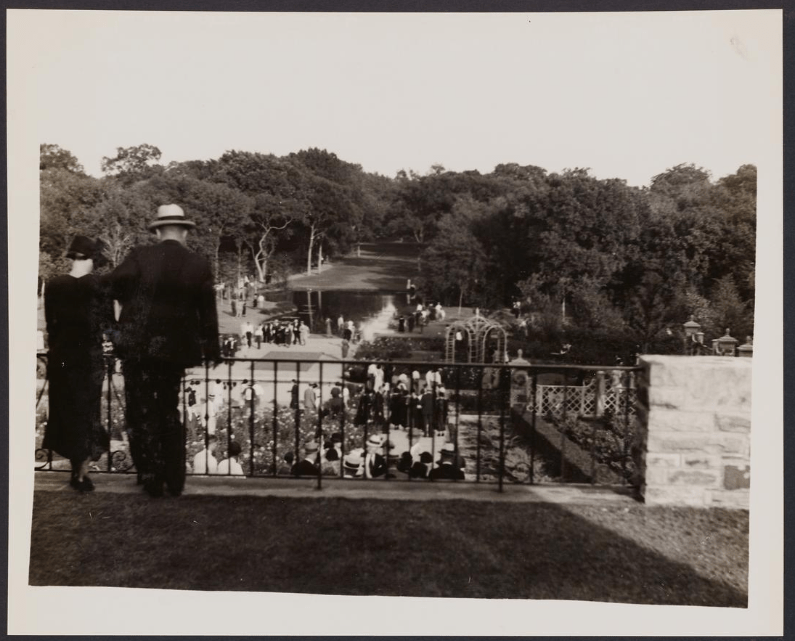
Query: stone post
(600, 393)
(692, 444)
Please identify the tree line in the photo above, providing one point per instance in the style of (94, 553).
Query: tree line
(260, 213)
(576, 250)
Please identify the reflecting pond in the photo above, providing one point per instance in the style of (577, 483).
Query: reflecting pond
(369, 309)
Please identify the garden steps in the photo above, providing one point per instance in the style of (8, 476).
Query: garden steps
(378, 489)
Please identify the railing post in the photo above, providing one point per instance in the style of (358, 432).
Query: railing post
(319, 436)
(533, 428)
(503, 400)
(457, 417)
(342, 424)
(251, 421)
(626, 429)
(110, 424)
(563, 428)
(297, 413)
(275, 412)
(480, 424)
(600, 394)
(229, 415)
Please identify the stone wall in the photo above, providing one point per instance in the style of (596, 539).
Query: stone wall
(693, 443)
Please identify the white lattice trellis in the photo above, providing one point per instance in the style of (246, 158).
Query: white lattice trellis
(581, 400)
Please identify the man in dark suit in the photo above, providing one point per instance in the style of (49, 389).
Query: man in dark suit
(307, 466)
(168, 322)
(450, 465)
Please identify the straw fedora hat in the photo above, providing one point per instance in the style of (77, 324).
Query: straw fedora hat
(170, 215)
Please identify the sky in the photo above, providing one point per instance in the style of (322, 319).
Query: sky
(627, 95)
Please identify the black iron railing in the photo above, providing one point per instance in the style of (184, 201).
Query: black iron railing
(510, 423)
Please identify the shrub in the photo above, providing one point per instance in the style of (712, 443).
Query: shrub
(609, 437)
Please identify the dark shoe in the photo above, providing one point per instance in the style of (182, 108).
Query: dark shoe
(74, 482)
(86, 485)
(174, 492)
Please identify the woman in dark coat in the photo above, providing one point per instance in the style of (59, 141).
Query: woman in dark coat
(397, 408)
(363, 410)
(77, 311)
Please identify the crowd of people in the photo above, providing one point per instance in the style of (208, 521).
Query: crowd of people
(246, 292)
(285, 332)
(391, 400)
(374, 460)
(420, 317)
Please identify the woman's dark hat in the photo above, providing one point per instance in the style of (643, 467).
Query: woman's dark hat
(84, 247)
(170, 215)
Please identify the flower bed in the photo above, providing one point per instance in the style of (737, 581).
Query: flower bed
(289, 428)
(609, 439)
(518, 457)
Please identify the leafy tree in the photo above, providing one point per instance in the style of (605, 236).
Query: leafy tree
(54, 157)
(329, 198)
(67, 200)
(132, 163)
(454, 261)
(120, 221)
(325, 205)
(274, 187)
(419, 204)
(730, 311)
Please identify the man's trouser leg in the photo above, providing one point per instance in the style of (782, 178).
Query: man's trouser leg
(137, 411)
(155, 431)
(171, 433)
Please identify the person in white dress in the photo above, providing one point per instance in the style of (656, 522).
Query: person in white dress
(205, 462)
(231, 465)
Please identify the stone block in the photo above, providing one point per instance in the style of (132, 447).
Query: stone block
(708, 443)
(729, 444)
(710, 478)
(666, 495)
(671, 442)
(656, 475)
(672, 398)
(696, 395)
(733, 422)
(701, 461)
(663, 460)
(681, 421)
(698, 382)
(737, 477)
(735, 499)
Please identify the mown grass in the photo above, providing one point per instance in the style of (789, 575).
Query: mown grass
(397, 548)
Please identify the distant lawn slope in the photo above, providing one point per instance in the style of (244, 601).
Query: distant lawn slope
(381, 266)
(392, 548)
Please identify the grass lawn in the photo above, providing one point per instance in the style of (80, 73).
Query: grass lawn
(392, 548)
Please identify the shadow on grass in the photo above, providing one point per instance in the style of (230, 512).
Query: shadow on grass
(389, 548)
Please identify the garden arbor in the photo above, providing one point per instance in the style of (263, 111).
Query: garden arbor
(475, 333)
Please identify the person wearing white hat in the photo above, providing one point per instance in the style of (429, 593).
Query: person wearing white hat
(374, 463)
(168, 322)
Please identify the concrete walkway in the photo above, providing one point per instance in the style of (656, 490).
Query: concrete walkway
(394, 489)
